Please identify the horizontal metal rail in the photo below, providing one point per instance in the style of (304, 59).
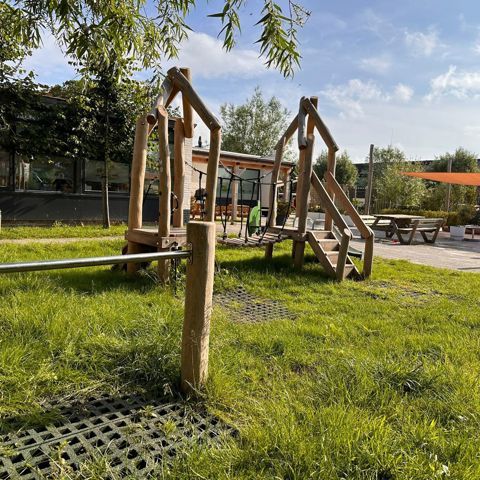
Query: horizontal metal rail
(91, 261)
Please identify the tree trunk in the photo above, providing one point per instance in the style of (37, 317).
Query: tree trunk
(105, 199)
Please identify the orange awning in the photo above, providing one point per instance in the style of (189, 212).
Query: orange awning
(446, 177)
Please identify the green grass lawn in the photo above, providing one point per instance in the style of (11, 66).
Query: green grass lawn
(59, 230)
(373, 380)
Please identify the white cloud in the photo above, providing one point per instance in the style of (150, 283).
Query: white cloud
(403, 92)
(472, 130)
(206, 57)
(49, 63)
(380, 64)
(351, 98)
(459, 84)
(422, 44)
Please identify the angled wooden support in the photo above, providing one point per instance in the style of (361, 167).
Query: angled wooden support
(183, 85)
(291, 129)
(321, 127)
(168, 93)
(198, 306)
(301, 132)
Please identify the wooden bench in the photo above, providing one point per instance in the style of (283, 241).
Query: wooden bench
(423, 226)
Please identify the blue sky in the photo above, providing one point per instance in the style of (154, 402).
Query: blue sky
(404, 73)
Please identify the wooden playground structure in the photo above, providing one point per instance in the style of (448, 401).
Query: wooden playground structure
(171, 233)
(330, 245)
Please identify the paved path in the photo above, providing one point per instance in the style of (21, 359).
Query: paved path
(445, 253)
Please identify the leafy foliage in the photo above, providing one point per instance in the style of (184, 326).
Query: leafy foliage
(91, 30)
(345, 172)
(253, 127)
(462, 161)
(389, 186)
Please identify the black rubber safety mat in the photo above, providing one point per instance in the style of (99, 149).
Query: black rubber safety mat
(134, 435)
(246, 307)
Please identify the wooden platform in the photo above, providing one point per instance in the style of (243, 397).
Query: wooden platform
(149, 236)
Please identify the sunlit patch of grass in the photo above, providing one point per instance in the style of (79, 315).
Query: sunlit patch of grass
(60, 230)
(373, 380)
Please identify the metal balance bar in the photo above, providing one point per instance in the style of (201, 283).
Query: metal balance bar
(91, 261)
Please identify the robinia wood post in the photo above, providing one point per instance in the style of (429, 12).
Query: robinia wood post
(165, 188)
(303, 201)
(179, 172)
(198, 306)
(139, 162)
(187, 107)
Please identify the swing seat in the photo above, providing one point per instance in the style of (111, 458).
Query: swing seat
(256, 240)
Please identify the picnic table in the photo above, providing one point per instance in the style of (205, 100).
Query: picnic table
(389, 222)
(405, 227)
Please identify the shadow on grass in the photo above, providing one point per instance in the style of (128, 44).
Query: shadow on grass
(280, 265)
(86, 281)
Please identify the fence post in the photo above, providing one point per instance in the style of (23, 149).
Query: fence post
(198, 305)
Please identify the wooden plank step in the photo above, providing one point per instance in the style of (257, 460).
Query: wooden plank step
(329, 244)
(322, 234)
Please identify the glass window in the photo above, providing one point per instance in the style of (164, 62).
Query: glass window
(4, 169)
(247, 186)
(118, 177)
(151, 173)
(46, 174)
(118, 174)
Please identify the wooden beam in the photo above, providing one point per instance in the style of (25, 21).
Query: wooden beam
(198, 306)
(291, 129)
(321, 127)
(212, 173)
(187, 108)
(179, 171)
(166, 90)
(164, 187)
(182, 83)
(302, 115)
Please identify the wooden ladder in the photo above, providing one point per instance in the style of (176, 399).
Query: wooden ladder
(327, 250)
